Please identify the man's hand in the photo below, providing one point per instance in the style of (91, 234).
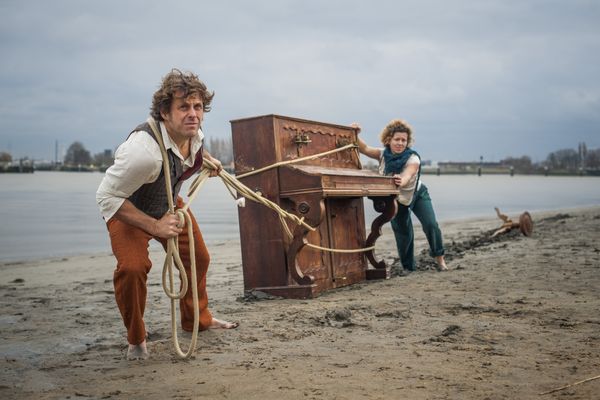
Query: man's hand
(218, 165)
(167, 226)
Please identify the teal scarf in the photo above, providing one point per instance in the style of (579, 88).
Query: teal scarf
(395, 162)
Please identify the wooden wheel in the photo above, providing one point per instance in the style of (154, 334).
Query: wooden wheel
(526, 224)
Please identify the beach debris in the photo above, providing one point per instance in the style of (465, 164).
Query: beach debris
(525, 223)
(570, 385)
(558, 218)
(337, 318)
(399, 314)
(256, 295)
(451, 330)
(447, 335)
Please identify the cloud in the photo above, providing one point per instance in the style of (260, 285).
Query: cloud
(492, 78)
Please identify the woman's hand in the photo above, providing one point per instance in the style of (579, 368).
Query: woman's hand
(365, 149)
(356, 126)
(407, 175)
(398, 180)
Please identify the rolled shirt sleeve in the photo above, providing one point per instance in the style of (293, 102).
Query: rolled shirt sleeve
(413, 159)
(137, 161)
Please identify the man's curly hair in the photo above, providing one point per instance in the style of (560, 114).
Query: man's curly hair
(177, 84)
(396, 125)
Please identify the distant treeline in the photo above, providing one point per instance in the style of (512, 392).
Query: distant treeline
(582, 161)
(78, 158)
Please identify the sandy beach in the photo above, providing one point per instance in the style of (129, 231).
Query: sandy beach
(514, 317)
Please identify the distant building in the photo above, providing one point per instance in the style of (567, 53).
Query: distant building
(22, 165)
(468, 166)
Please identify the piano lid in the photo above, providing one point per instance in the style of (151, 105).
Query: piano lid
(334, 182)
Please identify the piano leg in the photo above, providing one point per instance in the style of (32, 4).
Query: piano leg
(297, 245)
(387, 207)
(312, 208)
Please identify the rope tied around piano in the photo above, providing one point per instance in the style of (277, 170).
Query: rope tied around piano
(296, 160)
(234, 186)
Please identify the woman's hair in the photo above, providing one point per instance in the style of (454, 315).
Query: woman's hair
(177, 84)
(396, 125)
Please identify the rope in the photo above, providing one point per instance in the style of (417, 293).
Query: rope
(173, 255)
(314, 246)
(295, 160)
(570, 385)
(234, 185)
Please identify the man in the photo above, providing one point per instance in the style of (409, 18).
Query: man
(133, 201)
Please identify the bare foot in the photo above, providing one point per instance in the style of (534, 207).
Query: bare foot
(441, 263)
(218, 324)
(137, 351)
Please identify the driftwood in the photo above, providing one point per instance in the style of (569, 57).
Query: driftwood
(525, 223)
(570, 385)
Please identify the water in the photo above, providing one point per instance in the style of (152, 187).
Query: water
(54, 214)
(465, 196)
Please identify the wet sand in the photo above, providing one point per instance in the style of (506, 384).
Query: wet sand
(514, 317)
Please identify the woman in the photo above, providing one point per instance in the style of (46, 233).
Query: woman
(397, 159)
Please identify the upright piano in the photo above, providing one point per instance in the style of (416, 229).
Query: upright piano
(327, 192)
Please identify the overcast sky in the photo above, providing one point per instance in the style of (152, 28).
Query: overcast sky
(491, 78)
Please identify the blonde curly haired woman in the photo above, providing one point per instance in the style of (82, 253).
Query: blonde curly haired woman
(399, 160)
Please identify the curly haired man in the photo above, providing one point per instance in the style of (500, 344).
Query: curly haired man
(133, 201)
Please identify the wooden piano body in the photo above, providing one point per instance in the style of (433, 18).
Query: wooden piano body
(327, 192)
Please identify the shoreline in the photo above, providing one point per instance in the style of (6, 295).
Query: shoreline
(472, 169)
(236, 241)
(513, 317)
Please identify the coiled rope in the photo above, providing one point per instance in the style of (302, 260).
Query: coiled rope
(172, 256)
(234, 186)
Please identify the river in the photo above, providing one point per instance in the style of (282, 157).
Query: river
(54, 214)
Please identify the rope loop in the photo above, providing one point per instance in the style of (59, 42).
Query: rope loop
(172, 257)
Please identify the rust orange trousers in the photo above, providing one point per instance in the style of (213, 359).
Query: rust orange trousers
(130, 247)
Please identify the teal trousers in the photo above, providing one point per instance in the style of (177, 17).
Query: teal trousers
(402, 226)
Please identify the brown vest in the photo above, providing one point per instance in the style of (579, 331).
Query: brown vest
(151, 198)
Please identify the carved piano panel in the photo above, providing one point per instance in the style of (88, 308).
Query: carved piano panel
(315, 263)
(265, 140)
(301, 138)
(347, 231)
(327, 192)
